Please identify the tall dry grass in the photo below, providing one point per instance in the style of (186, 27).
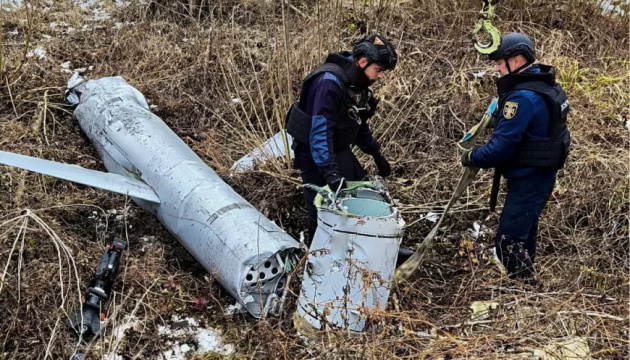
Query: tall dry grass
(222, 77)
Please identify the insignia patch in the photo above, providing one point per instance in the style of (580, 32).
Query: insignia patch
(378, 41)
(509, 109)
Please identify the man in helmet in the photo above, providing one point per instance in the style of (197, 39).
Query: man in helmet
(529, 144)
(331, 115)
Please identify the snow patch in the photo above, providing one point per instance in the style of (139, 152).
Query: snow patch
(38, 52)
(432, 217)
(203, 340)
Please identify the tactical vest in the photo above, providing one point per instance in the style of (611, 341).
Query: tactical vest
(354, 101)
(552, 151)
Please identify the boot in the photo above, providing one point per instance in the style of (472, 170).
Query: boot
(403, 255)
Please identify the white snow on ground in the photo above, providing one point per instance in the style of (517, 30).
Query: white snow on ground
(38, 52)
(207, 340)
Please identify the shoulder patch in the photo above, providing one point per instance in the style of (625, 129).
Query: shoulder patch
(509, 109)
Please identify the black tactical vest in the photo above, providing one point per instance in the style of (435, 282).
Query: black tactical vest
(355, 99)
(552, 151)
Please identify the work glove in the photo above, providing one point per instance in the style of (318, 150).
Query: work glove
(384, 169)
(466, 157)
(371, 108)
(335, 182)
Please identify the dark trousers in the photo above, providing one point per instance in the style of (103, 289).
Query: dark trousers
(515, 240)
(349, 168)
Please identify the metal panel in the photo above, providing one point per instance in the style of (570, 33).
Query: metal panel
(106, 181)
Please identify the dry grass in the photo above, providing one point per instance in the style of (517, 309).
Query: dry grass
(194, 67)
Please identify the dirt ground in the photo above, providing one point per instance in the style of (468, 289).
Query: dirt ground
(222, 77)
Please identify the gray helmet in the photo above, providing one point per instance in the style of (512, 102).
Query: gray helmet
(514, 44)
(377, 50)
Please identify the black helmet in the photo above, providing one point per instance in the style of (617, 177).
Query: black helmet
(513, 44)
(377, 50)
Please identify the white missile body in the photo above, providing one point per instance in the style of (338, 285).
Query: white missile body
(246, 252)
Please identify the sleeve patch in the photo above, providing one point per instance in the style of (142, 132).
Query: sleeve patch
(509, 109)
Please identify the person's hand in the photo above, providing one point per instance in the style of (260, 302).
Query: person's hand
(466, 157)
(384, 169)
(336, 182)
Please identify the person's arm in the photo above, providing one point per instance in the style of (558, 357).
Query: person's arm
(512, 121)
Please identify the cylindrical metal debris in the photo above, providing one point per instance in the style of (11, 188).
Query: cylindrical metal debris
(352, 260)
(245, 251)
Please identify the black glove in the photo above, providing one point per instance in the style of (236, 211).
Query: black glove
(384, 169)
(466, 157)
(335, 182)
(372, 103)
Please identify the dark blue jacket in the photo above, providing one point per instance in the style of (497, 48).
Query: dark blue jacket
(321, 102)
(527, 116)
